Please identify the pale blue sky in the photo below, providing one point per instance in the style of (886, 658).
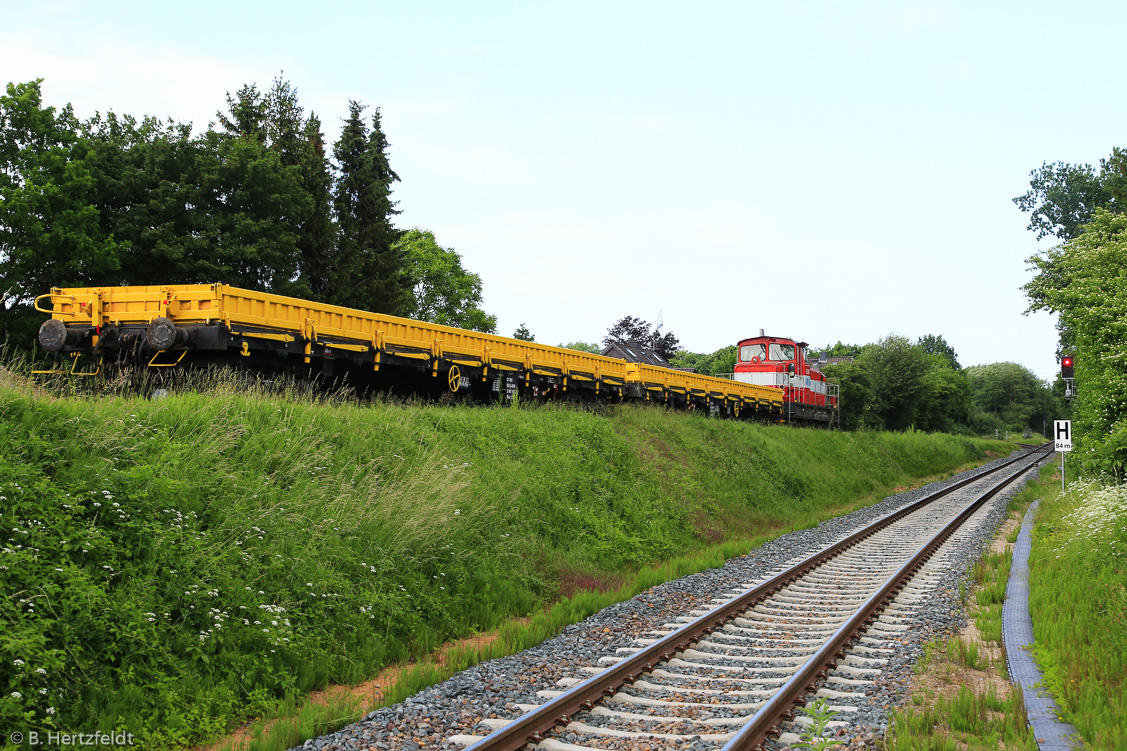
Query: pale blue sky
(822, 170)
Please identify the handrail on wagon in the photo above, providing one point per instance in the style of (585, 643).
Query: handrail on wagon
(52, 295)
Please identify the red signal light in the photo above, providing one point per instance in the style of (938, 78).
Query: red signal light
(1066, 367)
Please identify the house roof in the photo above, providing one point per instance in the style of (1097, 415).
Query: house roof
(635, 352)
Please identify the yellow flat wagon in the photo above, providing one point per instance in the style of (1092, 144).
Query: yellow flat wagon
(198, 324)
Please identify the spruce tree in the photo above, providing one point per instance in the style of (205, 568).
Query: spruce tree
(300, 146)
(317, 242)
(369, 271)
(248, 113)
(284, 124)
(349, 151)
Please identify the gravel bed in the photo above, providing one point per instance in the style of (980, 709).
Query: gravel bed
(493, 689)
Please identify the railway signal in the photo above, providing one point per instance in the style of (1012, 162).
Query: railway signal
(1066, 364)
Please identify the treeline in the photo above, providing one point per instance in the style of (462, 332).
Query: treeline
(897, 384)
(1084, 280)
(257, 200)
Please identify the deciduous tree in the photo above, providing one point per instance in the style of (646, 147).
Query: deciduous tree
(1007, 396)
(588, 347)
(1085, 281)
(631, 329)
(945, 403)
(896, 371)
(256, 205)
(49, 229)
(149, 197)
(1061, 199)
(937, 345)
(443, 292)
(856, 393)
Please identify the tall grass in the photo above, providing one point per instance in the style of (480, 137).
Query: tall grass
(991, 574)
(1078, 601)
(975, 721)
(175, 564)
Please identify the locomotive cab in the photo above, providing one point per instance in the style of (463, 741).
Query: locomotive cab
(780, 362)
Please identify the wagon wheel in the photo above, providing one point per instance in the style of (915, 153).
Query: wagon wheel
(736, 410)
(454, 378)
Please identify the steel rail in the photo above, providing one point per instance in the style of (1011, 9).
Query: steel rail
(530, 727)
(781, 705)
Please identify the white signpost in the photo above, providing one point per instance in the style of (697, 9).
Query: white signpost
(1062, 442)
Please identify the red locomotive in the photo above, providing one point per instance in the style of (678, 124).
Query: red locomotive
(775, 361)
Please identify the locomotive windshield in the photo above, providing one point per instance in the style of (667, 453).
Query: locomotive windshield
(749, 351)
(782, 352)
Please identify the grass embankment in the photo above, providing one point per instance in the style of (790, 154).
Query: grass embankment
(171, 566)
(1078, 602)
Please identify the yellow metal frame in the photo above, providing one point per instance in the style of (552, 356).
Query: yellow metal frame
(261, 315)
(154, 364)
(73, 364)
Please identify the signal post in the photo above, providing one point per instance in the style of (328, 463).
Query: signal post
(1062, 442)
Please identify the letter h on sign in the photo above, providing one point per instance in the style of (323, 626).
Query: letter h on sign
(1062, 435)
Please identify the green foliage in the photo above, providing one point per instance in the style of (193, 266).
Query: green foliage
(49, 230)
(937, 345)
(246, 116)
(895, 385)
(181, 563)
(965, 652)
(1084, 281)
(843, 350)
(820, 713)
(523, 334)
(253, 203)
(896, 370)
(970, 720)
(722, 360)
(116, 200)
(299, 143)
(442, 291)
(369, 271)
(1062, 198)
(1005, 395)
(588, 347)
(991, 574)
(945, 403)
(856, 392)
(1078, 602)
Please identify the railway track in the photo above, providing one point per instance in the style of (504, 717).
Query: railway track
(712, 687)
(727, 677)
